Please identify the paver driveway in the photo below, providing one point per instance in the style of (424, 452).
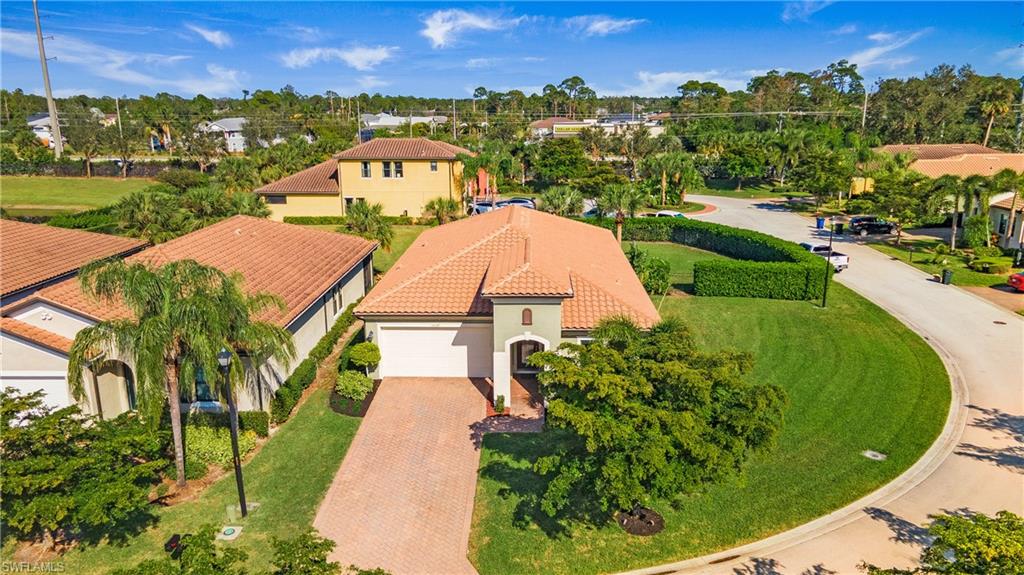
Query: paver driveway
(403, 498)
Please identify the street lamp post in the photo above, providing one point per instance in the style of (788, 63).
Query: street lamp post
(828, 261)
(224, 358)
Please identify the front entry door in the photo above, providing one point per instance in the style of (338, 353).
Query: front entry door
(521, 350)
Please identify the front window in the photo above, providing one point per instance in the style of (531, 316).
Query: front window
(398, 169)
(527, 316)
(433, 165)
(1002, 224)
(203, 389)
(276, 199)
(366, 169)
(387, 170)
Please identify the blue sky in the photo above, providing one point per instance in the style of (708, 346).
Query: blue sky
(433, 49)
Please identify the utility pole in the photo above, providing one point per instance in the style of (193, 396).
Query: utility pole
(454, 135)
(58, 141)
(864, 111)
(117, 106)
(1020, 118)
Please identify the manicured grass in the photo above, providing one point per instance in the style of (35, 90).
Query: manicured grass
(383, 259)
(46, 195)
(856, 379)
(750, 189)
(923, 253)
(681, 260)
(288, 477)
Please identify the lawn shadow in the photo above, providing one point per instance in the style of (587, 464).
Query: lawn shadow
(513, 468)
(686, 288)
(120, 533)
(904, 531)
(1006, 424)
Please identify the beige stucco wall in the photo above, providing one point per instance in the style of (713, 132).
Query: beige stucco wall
(52, 318)
(508, 316)
(995, 215)
(406, 195)
(306, 205)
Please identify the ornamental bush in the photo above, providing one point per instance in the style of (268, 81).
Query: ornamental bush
(212, 445)
(365, 355)
(255, 421)
(353, 385)
(763, 266)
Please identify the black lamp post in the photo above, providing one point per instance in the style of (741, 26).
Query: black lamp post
(224, 358)
(828, 260)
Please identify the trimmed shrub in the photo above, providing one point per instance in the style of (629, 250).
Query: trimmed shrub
(342, 220)
(256, 421)
(988, 251)
(353, 385)
(976, 231)
(183, 179)
(212, 445)
(365, 355)
(991, 266)
(291, 390)
(764, 266)
(97, 220)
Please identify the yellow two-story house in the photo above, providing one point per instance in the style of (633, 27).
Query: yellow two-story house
(402, 174)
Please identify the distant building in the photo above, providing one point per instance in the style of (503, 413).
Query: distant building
(1007, 217)
(545, 128)
(41, 127)
(230, 129)
(385, 121)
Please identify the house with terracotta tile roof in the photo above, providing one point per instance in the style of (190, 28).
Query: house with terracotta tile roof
(317, 274)
(315, 191)
(35, 255)
(474, 298)
(1007, 217)
(936, 151)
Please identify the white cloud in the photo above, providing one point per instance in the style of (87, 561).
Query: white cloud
(371, 82)
(1013, 56)
(844, 30)
(881, 54)
(133, 68)
(443, 27)
(803, 9)
(218, 38)
(598, 25)
(653, 84)
(361, 58)
(481, 63)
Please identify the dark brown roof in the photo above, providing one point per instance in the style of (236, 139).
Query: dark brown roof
(294, 262)
(403, 149)
(549, 123)
(33, 254)
(319, 179)
(936, 151)
(35, 334)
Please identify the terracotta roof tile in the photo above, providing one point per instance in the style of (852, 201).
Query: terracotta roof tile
(936, 151)
(294, 262)
(966, 165)
(319, 179)
(1005, 204)
(33, 254)
(454, 269)
(402, 149)
(35, 334)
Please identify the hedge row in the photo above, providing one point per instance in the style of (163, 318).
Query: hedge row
(96, 220)
(255, 421)
(341, 220)
(764, 266)
(291, 390)
(67, 167)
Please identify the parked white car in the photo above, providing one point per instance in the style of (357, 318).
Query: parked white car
(838, 260)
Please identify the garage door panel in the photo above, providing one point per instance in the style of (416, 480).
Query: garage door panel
(434, 351)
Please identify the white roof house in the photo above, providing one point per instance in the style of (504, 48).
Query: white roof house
(385, 120)
(231, 128)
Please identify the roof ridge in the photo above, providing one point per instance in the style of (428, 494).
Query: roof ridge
(440, 263)
(573, 277)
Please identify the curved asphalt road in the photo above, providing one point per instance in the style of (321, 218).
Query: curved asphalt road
(976, 465)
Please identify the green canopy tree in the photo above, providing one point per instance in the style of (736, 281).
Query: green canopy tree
(902, 195)
(622, 200)
(822, 173)
(236, 174)
(368, 220)
(650, 416)
(560, 160)
(84, 137)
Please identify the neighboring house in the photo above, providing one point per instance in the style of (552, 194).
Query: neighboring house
(474, 298)
(403, 174)
(386, 121)
(35, 256)
(545, 128)
(935, 151)
(1008, 224)
(230, 129)
(316, 274)
(314, 191)
(40, 125)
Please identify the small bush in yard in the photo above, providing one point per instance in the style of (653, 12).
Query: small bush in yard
(365, 355)
(305, 554)
(353, 385)
(988, 251)
(212, 445)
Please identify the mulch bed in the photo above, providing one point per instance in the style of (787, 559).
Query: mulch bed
(644, 522)
(346, 406)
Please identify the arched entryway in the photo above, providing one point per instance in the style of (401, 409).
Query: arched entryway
(113, 389)
(520, 352)
(519, 384)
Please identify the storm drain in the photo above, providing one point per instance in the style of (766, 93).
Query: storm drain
(874, 455)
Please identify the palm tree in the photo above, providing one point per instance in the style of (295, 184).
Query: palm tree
(177, 323)
(664, 167)
(368, 220)
(1009, 181)
(950, 186)
(152, 216)
(442, 209)
(996, 102)
(980, 190)
(622, 200)
(562, 201)
(688, 178)
(237, 175)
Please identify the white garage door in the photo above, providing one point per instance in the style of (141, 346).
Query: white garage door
(437, 350)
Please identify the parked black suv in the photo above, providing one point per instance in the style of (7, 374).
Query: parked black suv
(864, 225)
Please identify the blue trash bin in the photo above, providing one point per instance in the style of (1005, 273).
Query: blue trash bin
(819, 222)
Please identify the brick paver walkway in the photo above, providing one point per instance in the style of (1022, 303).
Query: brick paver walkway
(403, 497)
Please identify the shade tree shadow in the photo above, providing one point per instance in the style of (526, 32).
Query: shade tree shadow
(1005, 425)
(1011, 458)
(994, 419)
(904, 531)
(759, 566)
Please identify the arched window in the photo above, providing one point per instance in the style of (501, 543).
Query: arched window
(527, 316)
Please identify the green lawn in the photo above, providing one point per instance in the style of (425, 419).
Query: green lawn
(47, 195)
(681, 260)
(750, 189)
(856, 378)
(919, 253)
(288, 477)
(383, 259)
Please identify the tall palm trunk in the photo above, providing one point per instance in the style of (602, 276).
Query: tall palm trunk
(620, 219)
(988, 129)
(664, 186)
(1013, 221)
(956, 215)
(174, 401)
